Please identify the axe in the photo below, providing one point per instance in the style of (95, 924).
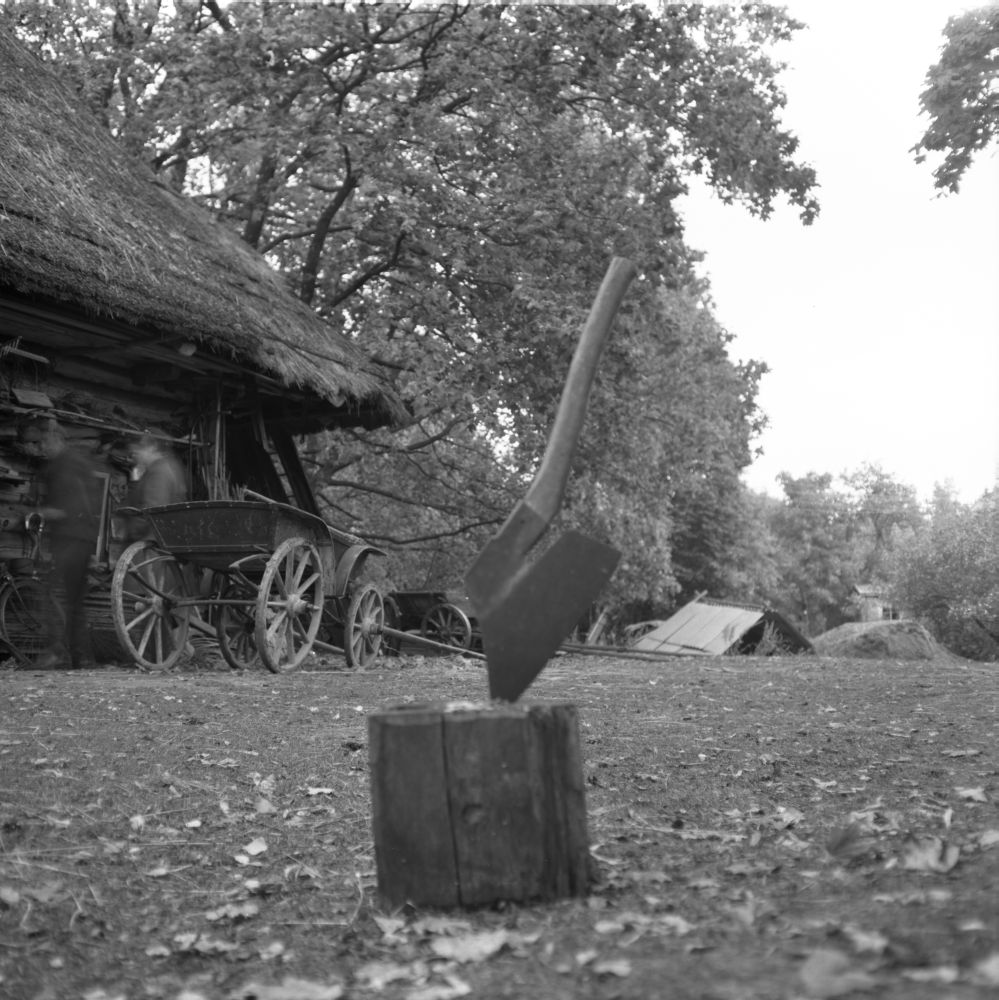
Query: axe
(526, 608)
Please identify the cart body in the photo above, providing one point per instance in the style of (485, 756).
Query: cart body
(275, 573)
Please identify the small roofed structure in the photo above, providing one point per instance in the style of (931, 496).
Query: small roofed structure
(707, 627)
(873, 603)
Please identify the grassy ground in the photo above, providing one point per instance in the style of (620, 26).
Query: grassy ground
(762, 828)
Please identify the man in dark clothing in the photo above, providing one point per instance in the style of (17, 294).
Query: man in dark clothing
(160, 480)
(72, 520)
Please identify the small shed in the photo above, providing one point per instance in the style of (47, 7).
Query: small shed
(707, 627)
(873, 603)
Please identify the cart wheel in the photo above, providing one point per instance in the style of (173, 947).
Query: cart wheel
(448, 624)
(362, 631)
(289, 605)
(392, 644)
(146, 587)
(30, 618)
(234, 627)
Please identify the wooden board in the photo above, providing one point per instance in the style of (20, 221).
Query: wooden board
(476, 804)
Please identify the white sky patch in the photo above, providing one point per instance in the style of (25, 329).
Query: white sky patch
(880, 322)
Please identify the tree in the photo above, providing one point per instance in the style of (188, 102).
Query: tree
(817, 561)
(961, 96)
(947, 575)
(445, 185)
(830, 534)
(882, 508)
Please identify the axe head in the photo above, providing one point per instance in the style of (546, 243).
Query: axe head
(525, 615)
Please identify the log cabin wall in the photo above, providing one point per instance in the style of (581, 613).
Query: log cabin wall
(103, 396)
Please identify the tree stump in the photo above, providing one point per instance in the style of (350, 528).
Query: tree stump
(473, 804)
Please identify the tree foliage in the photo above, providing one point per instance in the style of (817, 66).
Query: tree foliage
(445, 184)
(948, 574)
(962, 95)
(829, 534)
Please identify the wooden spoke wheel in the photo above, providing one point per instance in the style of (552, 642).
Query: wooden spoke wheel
(148, 592)
(235, 625)
(448, 624)
(392, 644)
(30, 620)
(362, 630)
(289, 605)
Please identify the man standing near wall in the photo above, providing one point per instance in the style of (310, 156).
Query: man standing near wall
(160, 476)
(71, 513)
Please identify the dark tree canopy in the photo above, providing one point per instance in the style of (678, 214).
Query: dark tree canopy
(962, 95)
(446, 184)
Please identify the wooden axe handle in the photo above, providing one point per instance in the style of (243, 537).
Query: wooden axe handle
(545, 494)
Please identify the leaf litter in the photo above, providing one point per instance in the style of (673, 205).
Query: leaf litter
(733, 872)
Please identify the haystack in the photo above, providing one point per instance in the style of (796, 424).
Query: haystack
(884, 640)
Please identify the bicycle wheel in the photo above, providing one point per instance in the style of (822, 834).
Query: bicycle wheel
(29, 620)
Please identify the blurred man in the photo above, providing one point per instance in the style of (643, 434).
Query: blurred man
(71, 513)
(158, 479)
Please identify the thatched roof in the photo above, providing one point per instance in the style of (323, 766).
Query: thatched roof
(86, 227)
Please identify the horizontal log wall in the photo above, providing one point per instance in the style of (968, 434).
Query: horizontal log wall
(98, 416)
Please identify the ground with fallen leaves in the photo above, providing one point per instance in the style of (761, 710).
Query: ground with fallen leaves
(763, 829)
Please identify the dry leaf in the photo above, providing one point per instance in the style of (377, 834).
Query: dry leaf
(390, 927)
(986, 971)
(972, 794)
(378, 975)
(193, 941)
(441, 925)
(451, 988)
(233, 911)
(786, 816)
(930, 854)
(829, 973)
(938, 974)
(619, 967)
(470, 947)
(675, 924)
(849, 843)
(866, 941)
(989, 839)
(289, 989)
(265, 786)
(273, 950)
(256, 846)
(608, 927)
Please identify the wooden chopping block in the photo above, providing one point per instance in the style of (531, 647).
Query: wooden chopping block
(474, 804)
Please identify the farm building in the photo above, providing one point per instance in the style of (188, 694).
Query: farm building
(873, 603)
(706, 627)
(125, 308)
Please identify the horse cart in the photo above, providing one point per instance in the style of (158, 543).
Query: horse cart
(268, 580)
(433, 617)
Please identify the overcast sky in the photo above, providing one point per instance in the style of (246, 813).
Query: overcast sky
(880, 322)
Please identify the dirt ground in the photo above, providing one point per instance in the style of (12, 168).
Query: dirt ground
(762, 828)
